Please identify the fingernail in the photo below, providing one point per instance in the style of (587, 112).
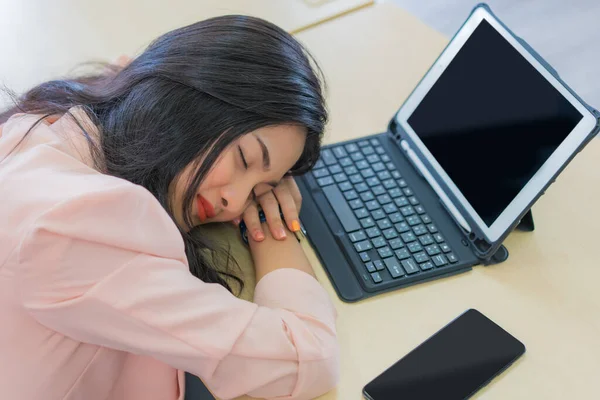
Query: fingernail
(281, 233)
(259, 235)
(295, 225)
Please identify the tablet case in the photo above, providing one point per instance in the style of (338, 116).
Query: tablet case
(494, 252)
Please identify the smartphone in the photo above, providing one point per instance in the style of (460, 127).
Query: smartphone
(453, 364)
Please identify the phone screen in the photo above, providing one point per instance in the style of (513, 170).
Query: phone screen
(452, 364)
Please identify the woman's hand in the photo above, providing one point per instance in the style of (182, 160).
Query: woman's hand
(285, 195)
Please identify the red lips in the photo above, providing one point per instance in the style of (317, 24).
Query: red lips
(205, 209)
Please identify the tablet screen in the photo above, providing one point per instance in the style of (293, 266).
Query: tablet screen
(491, 120)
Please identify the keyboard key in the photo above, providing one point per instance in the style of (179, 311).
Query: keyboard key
(396, 174)
(408, 237)
(378, 190)
(339, 152)
(390, 166)
(432, 228)
(396, 243)
(357, 236)
(421, 257)
(367, 222)
(413, 200)
(402, 227)
(439, 260)
(394, 267)
(373, 158)
(350, 170)
(345, 162)
(362, 164)
(389, 183)
(361, 213)
(427, 265)
(385, 158)
(385, 252)
(368, 150)
(395, 217)
(401, 201)
(415, 247)
(372, 205)
(379, 265)
(419, 230)
(319, 164)
(452, 258)
(379, 242)
(373, 181)
(395, 192)
(383, 175)
(363, 143)
(384, 224)
(376, 277)
(357, 156)
(345, 186)
(373, 232)
(363, 246)
(384, 199)
(407, 211)
(350, 195)
(390, 208)
(426, 240)
(341, 177)
(413, 220)
(407, 191)
(374, 141)
(351, 147)
(367, 196)
(420, 209)
(379, 150)
(438, 238)
(402, 254)
(328, 157)
(426, 219)
(433, 249)
(335, 169)
(370, 267)
(390, 233)
(445, 248)
(361, 187)
(410, 266)
(319, 173)
(377, 167)
(365, 257)
(341, 209)
(325, 181)
(367, 173)
(402, 183)
(377, 215)
(356, 203)
(356, 178)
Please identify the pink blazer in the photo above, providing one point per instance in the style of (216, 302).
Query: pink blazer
(96, 300)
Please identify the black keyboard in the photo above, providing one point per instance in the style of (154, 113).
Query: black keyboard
(389, 228)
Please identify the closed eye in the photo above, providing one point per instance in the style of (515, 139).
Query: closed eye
(243, 157)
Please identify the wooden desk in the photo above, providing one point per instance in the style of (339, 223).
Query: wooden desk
(546, 294)
(42, 40)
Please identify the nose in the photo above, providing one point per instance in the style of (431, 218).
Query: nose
(234, 198)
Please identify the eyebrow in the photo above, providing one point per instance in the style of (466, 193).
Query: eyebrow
(266, 159)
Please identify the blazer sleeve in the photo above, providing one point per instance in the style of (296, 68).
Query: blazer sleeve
(107, 267)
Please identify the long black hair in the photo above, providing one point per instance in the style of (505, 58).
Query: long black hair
(196, 88)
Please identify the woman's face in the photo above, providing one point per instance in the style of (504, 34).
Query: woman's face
(251, 166)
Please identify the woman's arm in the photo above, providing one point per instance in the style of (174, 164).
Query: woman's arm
(271, 254)
(102, 268)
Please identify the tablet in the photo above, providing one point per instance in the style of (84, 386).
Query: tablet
(493, 124)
